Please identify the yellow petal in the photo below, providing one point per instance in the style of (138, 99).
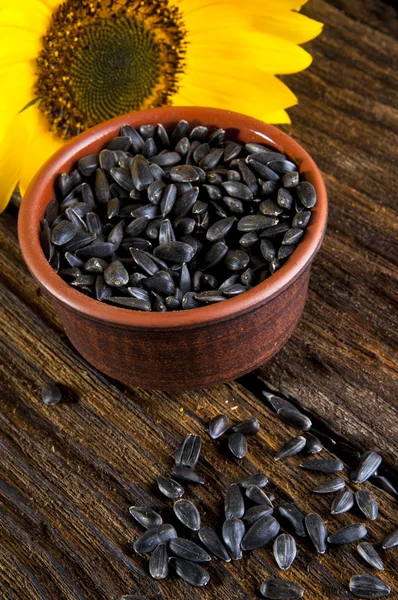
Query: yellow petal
(35, 17)
(252, 95)
(290, 25)
(14, 151)
(278, 117)
(262, 51)
(17, 82)
(42, 145)
(18, 45)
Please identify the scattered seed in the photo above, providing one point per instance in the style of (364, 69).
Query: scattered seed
(295, 517)
(367, 504)
(313, 445)
(348, 534)
(213, 543)
(247, 427)
(260, 533)
(188, 550)
(342, 503)
(185, 473)
(51, 394)
(234, 505)
(218, 426)
(367, 586)
(190, 572)
(317, 531)
(323, 465)
(291, 448)
(188, 514)
(233, 531)
(169, 487)
(280, 589)
(254, 513)
(390, 541)
(237, 443)
(159, 563)
(294, 418)
(369, 555)
(189, 451)
(285, 550)
(368, 464)
(257, 495)
(335, 484)
(259, 479)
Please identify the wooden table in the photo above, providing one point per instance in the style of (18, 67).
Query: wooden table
(71, 471)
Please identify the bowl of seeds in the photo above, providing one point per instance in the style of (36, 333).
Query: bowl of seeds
(176, 243)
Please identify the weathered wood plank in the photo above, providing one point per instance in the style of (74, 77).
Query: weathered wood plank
(70, 472)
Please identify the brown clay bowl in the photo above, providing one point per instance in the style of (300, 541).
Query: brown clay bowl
(185, 349)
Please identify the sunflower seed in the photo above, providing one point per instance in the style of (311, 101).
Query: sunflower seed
(237, 444)
(302, 219)
(257, 495)
(219, 229)
(291, 448)
(280, 589)
(323, 465)
(214, 255)
(233, 531)
(367, 586)
(148, 541)
(234, 505)
(188, 514)
(313, 445)
(185, 473)
(317, 531)
(169, 487)
(83, 280)
(294, 418)
(367, 504)
(51, 394)
(102, 291)
(386, 485)
(146, 517)
(256, 222)
(295, 517)
(348, 534)
(218, 426)
(190, 572)
(137, 226)
(285, 550)
(369, 554)
(141, 173)
(254, 513)
(198, 133)
(63, 232)
(368, 464)
(189, 301)
(147, 131)
(116, 275)
(150, 148)
(291, 237)
(189, 451)
(162, 136)
(263, 171)
(159, 563)
(188, 550)
(260, 533)
(213, 543)
(307, 194)
(342, 503)
(334, 484)
(247, 427)
(259, 480)
(290, 179)
(88, 164)
(134, 303)
(390, 541)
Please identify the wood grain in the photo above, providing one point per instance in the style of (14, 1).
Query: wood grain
(70, 472)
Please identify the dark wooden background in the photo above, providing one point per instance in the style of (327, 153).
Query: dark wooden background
(70, 472)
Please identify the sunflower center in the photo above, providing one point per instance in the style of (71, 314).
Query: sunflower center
(105, 58)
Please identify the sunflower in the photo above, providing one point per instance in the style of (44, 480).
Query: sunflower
(67, 65)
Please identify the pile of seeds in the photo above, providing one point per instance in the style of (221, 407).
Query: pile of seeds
(162, 223)
(249, 522)
(237, 442)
